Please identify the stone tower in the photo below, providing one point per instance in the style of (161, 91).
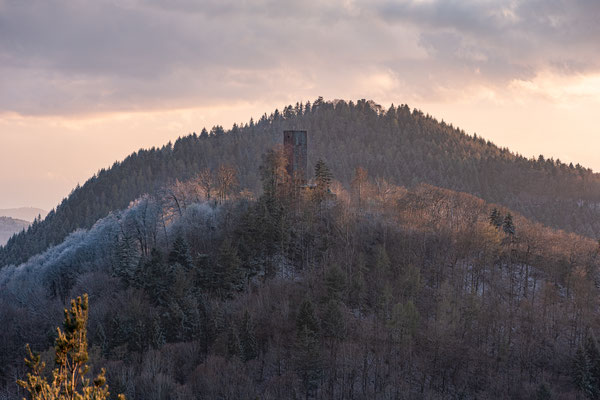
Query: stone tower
(294, 146)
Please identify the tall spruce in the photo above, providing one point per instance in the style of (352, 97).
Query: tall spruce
(128, 259)
(248, 342)
(157, 278)
(508, 225)
(234, 348)
(180, 254)
(307, 318)
(332, 322)
(335, 282)
(323, 176)
(308, 360)
(581, 373)
(496, 218)
(592, 352)
(225, 275)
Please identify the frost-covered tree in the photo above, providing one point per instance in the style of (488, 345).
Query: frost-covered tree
(180, 253)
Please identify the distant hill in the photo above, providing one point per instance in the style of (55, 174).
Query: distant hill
(401, 145)
(10, 226)
(23, 213)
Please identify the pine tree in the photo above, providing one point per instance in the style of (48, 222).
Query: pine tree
(323, 176)
(308, 360)
(496, 218)
(581, 373)
(69, 380)
(127, 260)
(157, 278)
(357, 291)
(543, 393)
(180, 254)
(335, 282)
(333, 321)
(592, 353)
(307, 318)
(404, 321)
(382, 264)
(225, 275)
(379, 278)
(508, 226)
(158, 336)
(248, 342)
(234, 348)
(322, 180)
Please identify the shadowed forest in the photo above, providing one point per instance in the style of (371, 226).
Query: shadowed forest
(356, 288)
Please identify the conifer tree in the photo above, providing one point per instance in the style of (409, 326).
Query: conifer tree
(69, 380)
(322, 176)
(308, 360)
(248, 342)
(127, 259)
(404, 320)
(234, 348)
(592, 352)
(307, 318)
(357, 290)
(180, 254)
(157, 278)
(158, 336)
(581, 373)
(322, 180)
(382, 263)
(508, 226)
(225, 274)
(543, 393)
(379, 277)
(496, 218)
(335, 282)
(333, 321)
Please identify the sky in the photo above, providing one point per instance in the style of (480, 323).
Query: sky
(84, 83)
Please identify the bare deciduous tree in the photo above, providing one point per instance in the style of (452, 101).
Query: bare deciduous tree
(226, 180)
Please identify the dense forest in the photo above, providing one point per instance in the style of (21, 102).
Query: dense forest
(370, 290)
(398, 145)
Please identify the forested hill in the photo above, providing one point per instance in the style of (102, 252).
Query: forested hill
(400, 145)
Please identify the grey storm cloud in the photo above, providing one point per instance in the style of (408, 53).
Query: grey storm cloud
(72, 56)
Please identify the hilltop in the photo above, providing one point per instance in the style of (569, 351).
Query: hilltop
(401, 145)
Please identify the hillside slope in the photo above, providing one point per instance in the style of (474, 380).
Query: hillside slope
(401, 145)
(414, 294)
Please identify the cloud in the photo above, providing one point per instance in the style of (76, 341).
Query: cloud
(65, 57)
